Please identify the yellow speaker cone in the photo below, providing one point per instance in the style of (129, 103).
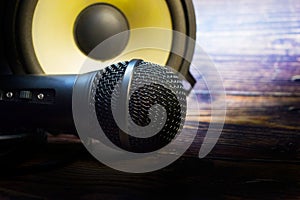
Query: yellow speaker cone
(54, 25)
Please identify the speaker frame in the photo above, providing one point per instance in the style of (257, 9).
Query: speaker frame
(20, 57)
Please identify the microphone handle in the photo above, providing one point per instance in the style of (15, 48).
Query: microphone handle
(37, 101)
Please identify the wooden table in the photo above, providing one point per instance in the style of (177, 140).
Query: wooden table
(255, 45)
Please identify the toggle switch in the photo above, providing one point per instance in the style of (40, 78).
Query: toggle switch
(25, 95)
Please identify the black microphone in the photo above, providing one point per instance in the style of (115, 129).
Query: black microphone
(45, 101)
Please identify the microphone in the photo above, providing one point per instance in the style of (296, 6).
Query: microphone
(141, 89)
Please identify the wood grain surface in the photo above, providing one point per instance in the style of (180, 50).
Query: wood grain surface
(255, 46)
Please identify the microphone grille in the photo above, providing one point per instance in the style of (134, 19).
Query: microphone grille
(151, 84)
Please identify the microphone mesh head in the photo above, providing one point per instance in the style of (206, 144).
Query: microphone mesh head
(151, 85)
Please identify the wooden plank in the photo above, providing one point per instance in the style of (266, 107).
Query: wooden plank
(187, 178)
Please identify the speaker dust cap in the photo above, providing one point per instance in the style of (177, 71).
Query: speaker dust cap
(96, 24)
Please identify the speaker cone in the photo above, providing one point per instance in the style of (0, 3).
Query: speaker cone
(56, 36)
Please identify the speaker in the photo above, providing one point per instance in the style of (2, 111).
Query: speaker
(55, 36)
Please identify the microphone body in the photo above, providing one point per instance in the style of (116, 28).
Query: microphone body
(128, 100)
(37, 101)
